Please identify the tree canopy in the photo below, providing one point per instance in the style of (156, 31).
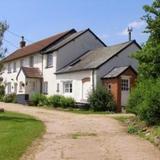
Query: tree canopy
(149, 56)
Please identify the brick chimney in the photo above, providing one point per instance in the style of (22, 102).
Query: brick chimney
(22, 42)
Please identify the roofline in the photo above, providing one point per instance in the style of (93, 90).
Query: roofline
(70, 31)
(133, 41)
(77, 37)
(74, 71)
(121, 72)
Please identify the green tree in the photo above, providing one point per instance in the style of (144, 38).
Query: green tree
(3, 27)
(149, 56)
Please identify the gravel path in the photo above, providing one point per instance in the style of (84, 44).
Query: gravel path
(83, 137)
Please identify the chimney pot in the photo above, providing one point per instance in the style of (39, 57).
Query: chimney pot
(22, 42)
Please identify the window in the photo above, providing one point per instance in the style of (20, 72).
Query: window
(22, 63)
(9, 68)
(57, 87)
(31, 61)
(109, 87)
(124, 85)
(49, 60)
(14, 67)
(67, 87)
(21, 85)
(33, 86)
(9, 87)
(45, 87)
(15, 87)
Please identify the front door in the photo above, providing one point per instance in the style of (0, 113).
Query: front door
(86, 88)
(125, 90)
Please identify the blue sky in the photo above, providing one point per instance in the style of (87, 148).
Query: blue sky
(38, 19)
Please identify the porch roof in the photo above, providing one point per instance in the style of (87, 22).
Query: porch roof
(115, 72)
(31, 72)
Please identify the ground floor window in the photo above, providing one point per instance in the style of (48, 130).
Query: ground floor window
(9, 88)
(15, 87)
(67, 87)
(124, 85)
(21, 85)
(45, 87)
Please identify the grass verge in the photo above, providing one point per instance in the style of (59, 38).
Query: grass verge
(17, 131)
(140, 128)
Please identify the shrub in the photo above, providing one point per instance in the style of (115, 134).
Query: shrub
(147, 105)
(39, 99)
(10, 98)
(54, 101)
(67, 102)
(101, 100)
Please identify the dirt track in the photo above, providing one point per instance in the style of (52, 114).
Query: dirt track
(83, 137)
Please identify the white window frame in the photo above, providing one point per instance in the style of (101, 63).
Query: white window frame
(125, 84)
(45, 87)
(9, 88)
(21, 62)
(14, 67)
(15, 87)
(49, 60)
(67, 87)
(9, 68)
(31, 61)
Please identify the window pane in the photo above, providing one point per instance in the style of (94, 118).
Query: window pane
(49, 60)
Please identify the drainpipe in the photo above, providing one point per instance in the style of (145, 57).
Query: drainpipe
(93, 71)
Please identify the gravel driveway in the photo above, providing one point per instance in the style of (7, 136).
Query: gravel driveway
(83, 137)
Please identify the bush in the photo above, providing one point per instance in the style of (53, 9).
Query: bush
(10, 98)
(67, 102)
(61, 101)
(147, 105)
(2, 92)
(101, 100)
(39, 99)
(54, 101)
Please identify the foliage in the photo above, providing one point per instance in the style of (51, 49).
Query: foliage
(10, 98)
(39, 99)
(149, 56)
(101, 100)
(2, 92)
(61, 101)
(18, 131)
(55, 101)
(145, 101)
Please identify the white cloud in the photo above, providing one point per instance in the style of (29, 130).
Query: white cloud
(135, 25)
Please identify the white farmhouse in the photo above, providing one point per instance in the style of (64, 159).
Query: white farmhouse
(70, 63)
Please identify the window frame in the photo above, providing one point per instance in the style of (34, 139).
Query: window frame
(45, 87)
(21, 62)
(9, 68)
(49, 58)
(31, 61)
(125, 84)
(67, 87)
(9, 88)
(14, 67)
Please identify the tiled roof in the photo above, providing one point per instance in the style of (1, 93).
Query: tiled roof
(31, 72)
(95, 58)
(38, 46)
(115, 72)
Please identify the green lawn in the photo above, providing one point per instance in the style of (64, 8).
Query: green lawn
(17, 131)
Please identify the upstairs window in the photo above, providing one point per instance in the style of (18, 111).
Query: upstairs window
(31, 61)
(67, 87)
(14, 67)
(9, 68)
(49, 60)
(22, 63)
(45, 87)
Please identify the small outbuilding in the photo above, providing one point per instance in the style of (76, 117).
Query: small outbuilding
(119, 81)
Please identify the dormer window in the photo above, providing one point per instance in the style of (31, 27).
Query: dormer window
(31, 61)
(22, 63)
(9, 67)
(14, 67)
(49, 60)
